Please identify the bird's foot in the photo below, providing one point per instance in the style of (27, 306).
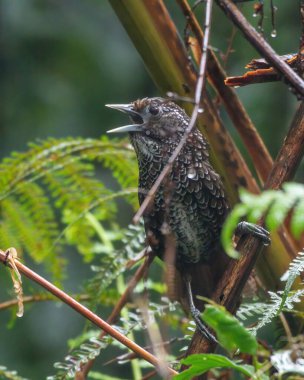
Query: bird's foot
(202, 328)
(196, 314)
(245, 228)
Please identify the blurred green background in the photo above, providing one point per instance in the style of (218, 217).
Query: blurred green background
(61, 61)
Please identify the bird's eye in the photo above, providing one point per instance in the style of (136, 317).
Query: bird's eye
(154, 110)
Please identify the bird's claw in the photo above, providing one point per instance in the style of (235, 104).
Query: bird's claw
(245, 228)
(196, 314)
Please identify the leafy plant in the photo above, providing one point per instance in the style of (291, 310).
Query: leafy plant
(273, 205)
(53, 187)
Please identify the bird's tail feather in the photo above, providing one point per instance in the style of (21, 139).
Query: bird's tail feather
(204, 279)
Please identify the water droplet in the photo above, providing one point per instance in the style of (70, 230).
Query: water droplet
(191, 173)
(273, 33)
(200, 110)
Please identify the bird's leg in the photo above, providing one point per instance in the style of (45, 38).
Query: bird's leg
(196, 314)
(245, 228)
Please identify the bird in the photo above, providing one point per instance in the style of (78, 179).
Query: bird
(184, 220)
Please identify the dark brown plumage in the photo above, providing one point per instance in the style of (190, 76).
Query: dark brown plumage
(184, 221)
(191, 203)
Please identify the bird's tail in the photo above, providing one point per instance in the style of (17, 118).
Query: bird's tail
(204, 279)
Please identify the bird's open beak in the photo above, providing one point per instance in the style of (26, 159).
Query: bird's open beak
(128, 109)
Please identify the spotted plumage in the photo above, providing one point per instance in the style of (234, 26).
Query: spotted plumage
(190, 205)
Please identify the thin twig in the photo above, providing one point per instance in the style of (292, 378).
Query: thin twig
(131, 355)
(300, 60)
(38, 298)
(85, 312)
(286, 327)
(195, 112)
(229, 48)
(261, 45)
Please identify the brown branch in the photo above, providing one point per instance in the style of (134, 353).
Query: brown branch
(253, 77)
(197, 98)
(88, 314)
(139, 274)
(38, 298)
(262, 46)
(236, 111)
(261, 72)
(290, 154)
(229, 289)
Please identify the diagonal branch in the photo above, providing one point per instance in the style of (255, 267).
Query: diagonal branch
(85, 312)
(197, 98)
(262, 46)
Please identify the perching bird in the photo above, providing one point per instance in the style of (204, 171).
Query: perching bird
(183, 222)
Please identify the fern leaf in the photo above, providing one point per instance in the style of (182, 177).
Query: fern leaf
(295, 268)
(53, 179)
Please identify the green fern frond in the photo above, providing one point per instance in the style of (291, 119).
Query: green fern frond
(248, 310)
(113, 264)
(281, 300)
(276, 306)
(274, 205)
(78, 357)
(295, 268)
(53, 179)
(87, 346)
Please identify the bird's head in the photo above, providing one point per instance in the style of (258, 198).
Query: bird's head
(155, 119)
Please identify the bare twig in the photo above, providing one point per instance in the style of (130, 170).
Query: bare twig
(300, 61)
(195, 112)
(38, 298)
(85, 312)
(132, 355)
(261, 45)
(229, 48)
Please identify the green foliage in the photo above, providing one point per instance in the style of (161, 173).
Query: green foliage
(295, 268)
(54, 189)
(87, 351)
(274, 205)
(201, 363)
(112, 264)
(229, 331)
(89, 345)
(279, 301)
(54, 184)
(248, 310)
